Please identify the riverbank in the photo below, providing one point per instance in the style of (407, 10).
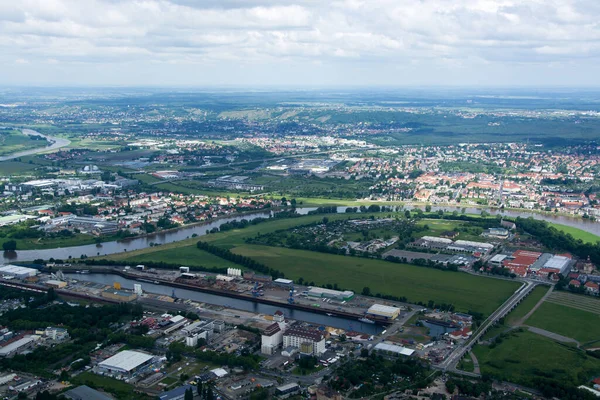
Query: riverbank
(55, 144)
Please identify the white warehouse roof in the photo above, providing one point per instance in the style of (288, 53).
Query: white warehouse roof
(15, 270)
(437, 239)
(380, 309)
(126, 360)
(474, 244)
(394, 349)
(558, 263)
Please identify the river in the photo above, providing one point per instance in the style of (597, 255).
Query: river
(200, 230)
(55, 143)
(246, 305)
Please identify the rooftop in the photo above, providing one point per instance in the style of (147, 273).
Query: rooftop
(126, 360)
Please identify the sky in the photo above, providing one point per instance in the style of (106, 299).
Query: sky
(300, 43)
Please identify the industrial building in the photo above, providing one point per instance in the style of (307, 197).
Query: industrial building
(330, 294)
(119, 295)
(311, 341)
(56, 333)
(18, 346)
(283, 282)
(84, 392)
(177, 393)
(56, 284)
(271, 339)
(287, 390)
(383, 311)
(560, 264)
(17, 272)
(126, 363)
(391, 348)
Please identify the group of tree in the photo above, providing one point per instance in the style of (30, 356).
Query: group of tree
(239, 259)
(558, 240)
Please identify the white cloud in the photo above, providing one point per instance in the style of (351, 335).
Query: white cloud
(343, 36)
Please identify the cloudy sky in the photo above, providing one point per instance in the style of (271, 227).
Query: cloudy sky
(300, 42)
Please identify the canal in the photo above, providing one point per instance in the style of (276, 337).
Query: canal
(245, 305)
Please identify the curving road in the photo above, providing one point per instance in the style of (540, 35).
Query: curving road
(55, 144)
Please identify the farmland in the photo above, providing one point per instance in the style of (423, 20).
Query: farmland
(580, 302)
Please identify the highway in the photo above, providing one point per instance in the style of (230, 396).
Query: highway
(449, 364)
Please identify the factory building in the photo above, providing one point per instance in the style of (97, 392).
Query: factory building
(559, 264)
(299, 337)
(287, 390)
(125, 363)
(17, 272)
(383, 312)
(18, 346)
(283, 282)
(390, 348)
(119, 295)
(84, 392)
(330, 294)
(56, 284)
(271, 339)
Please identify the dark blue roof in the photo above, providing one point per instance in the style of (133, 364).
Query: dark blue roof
(177, 392)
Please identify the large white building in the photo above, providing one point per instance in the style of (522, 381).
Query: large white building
(125, 363)
(383, 311)
(17, 271)
(308, 340)
(271, 339)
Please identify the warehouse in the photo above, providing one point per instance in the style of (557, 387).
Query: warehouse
(382, 311)
(393, 349)
(560, 264)
(18, 346)
(56, 284)
(330, 294)
(119, 295)
(283, 282)
(126, 363)
(17, 272)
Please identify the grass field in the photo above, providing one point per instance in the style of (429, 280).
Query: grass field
(120, 389)
(526, 305)
(576, 233)
(578, 301)
(525, 355)
(12, 141)
(466, 292)
(580, 325)
(15, 168)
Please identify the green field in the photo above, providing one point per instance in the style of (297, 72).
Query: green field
(577, 301)
(576, 233)
(15, 168)
(577, 324)
(12, 141)
(524, 355)
(526, 305)
(122, 390)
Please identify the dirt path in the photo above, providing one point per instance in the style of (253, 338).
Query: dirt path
(475, 363)
(539, 303)
(552, 335)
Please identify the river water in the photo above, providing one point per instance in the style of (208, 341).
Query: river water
(56, 143)
(246, 305)
(200, 230)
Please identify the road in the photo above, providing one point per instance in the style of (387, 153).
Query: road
(55, 144)
(449, 364)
